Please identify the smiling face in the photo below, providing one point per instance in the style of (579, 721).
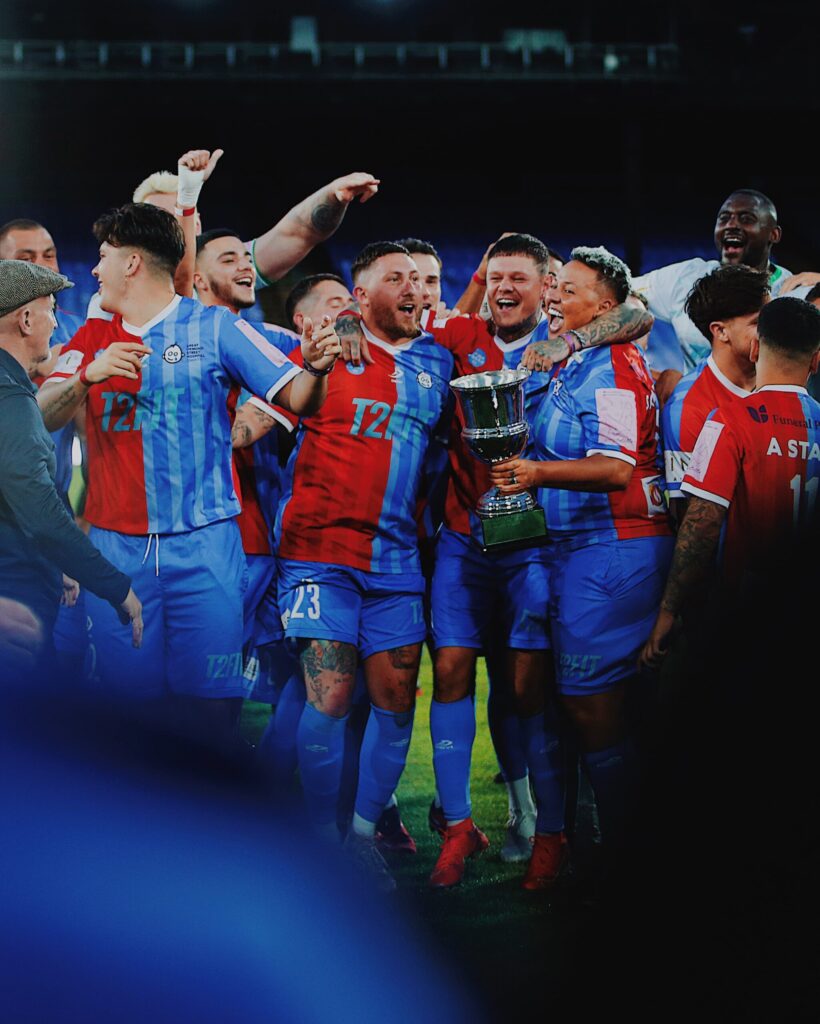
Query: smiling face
(389, 295)
(112, 274)
(225, 275)
(577, 297)
(515, 286)
(745, 231)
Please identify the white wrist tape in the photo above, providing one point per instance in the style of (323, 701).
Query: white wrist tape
(189, 186)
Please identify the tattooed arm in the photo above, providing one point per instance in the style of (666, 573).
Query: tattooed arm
(349, 331)
(623, 323)
(310, 222)
(60, 400)
(692, 562)
(250, 424)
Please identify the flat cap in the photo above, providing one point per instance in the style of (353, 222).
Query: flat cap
(21, 281)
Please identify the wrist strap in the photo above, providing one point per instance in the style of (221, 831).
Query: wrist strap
(574, 341)
(350, 312)
(84, 378)
(479, 280)
(186, 211)
(318, 373)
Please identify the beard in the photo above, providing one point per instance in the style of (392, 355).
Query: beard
(231, 295)
(395, 326)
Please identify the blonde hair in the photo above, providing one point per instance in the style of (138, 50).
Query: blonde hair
(159, 181)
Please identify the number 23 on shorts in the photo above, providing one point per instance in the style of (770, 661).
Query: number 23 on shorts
(306, 602)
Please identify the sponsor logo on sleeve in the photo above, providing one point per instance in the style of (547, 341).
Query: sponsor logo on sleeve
(477, 358)
(617, 417)
(704, 449)
(69, 362)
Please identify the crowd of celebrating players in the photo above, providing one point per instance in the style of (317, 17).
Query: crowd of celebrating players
(288, 514)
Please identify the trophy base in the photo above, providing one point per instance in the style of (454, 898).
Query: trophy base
(514, 530)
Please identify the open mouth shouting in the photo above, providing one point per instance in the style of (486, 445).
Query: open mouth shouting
(555, 318)
(732, 245)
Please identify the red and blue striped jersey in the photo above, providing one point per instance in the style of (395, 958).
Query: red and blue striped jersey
(683, 416)
(602, 402)
(257, 468)
(159, 447)
(760, 458)
(352, 483)
(476, 350)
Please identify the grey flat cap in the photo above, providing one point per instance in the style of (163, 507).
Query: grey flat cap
(21, 281)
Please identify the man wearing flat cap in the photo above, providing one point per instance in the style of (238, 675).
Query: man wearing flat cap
(39, 541)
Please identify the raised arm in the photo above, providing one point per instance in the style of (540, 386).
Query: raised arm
(305, 394)
(312, 221)
(193, 170)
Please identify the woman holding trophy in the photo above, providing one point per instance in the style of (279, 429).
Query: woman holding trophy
(594, 463)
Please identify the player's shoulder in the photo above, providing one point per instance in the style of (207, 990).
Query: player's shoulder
(682, 273)
(283, 338)
(457, 331)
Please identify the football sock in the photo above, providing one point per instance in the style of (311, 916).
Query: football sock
(277, 748)
(320, 742)
(505, 731)
(452, 730)
(611, 775)
(546, 761)
(349, 783)
(520, 797)
(382, 760)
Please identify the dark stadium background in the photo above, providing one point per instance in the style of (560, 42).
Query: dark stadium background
(640, 166)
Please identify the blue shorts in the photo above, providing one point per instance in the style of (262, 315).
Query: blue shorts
(604, 600)
(191, 587)
(370, 610)
(263, 623)
(481, 600)
(71, 628)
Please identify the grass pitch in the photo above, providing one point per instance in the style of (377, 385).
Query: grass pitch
(495, 934)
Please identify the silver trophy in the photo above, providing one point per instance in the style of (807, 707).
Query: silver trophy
(495, 430)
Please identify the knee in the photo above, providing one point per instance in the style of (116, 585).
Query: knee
(453, 674)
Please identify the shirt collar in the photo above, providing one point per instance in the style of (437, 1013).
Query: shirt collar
(15, 370)
(724, 380)
(163, 313)
(511, 346)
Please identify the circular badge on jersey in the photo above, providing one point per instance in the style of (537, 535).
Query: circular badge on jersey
(355, 370)
(425, 379)
(172, 354)
(478, 357)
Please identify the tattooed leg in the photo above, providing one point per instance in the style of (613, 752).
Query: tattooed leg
(391, 677)
(329, 671)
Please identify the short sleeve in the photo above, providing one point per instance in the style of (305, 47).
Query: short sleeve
(715, 465)
(609, 417)
(675, 460)
(251, 360)
(77, 353)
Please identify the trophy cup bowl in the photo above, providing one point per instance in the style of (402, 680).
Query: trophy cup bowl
(495, 430)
